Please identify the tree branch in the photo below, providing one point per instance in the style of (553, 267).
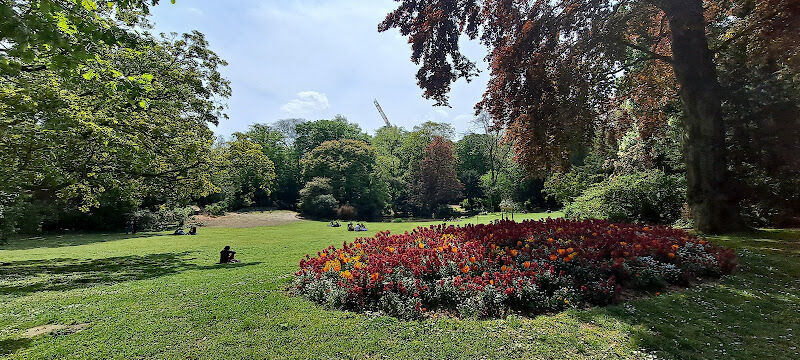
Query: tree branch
(645, 50)
(32, 68)
(747, 30)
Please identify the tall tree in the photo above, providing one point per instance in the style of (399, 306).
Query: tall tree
(73, 142)
(313, 133)
(278, 149)
(436, 182)
(553, 67)
(349, 165)
(245, 172)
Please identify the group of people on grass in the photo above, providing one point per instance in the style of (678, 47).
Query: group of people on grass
(192, 231)
(357, 227)
(350, 226)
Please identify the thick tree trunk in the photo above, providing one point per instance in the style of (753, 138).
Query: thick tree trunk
(711, 194)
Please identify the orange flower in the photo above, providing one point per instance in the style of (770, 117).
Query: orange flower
(646, 228)
(323, 255)
(519, 243)
(514, 252)
(491, 282)
(638, 247)
(567, 259)
(390, 249)
(358, 245)
(503, 268)
(671, 255)
(465, 269)
(562, 252)
(570, 250)
(374, 276)
(626, 253)
(493, 246)
(454, 249)
(553, 257)
(594, 234)
(347, 274)
(609, 232)
(421, 245)
(550, 240)
(675, 247)
(472, 259)
(623, 243)
(527, 264)
(702, 242)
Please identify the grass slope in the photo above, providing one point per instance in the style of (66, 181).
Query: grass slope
(163, 297)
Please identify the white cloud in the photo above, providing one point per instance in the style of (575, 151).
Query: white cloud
(307, 102)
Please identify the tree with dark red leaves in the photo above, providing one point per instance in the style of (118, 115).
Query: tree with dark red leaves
(435, 182)
(554, 66)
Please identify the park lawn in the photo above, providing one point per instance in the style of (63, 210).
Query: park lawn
(157, 296)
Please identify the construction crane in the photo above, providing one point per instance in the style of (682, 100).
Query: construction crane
(383, 114)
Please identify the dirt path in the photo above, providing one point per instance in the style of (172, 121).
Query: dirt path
(249, 219)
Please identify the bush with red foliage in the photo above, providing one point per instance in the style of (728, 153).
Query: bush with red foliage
(489, 270)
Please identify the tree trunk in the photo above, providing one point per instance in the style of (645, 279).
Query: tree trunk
(711, 194)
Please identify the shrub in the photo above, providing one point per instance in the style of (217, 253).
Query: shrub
(650, 197)
(217, 209)
(490, 270)
(162, 219)
(444, 211)
(397, 220)
(316, 201)
(347, 212)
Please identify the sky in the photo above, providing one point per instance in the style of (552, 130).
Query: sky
(315, 59)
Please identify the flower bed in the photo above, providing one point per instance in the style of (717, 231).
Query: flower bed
(489, 270)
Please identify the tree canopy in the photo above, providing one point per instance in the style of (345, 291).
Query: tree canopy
(555, 65)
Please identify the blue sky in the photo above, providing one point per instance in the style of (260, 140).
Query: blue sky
(314, 59)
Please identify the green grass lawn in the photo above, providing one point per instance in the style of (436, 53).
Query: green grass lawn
(156, 296)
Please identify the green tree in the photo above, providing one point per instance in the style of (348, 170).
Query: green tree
(313, 133)
(277, 148)
(349, 164)
(472, 159)
(245, 172)
(73, 143)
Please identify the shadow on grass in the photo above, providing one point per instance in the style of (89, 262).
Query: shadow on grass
(9, 346)
(753, 313)
(56, 241)
(25, 277)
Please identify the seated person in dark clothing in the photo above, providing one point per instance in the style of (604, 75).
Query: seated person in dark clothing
(178, 232)
(193, 230)
(226, 256)
(350, 227)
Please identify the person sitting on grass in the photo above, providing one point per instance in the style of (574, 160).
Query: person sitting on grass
(193, 230)
(179, 231)
(226, 256)
(350, 227)
(361, 227)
